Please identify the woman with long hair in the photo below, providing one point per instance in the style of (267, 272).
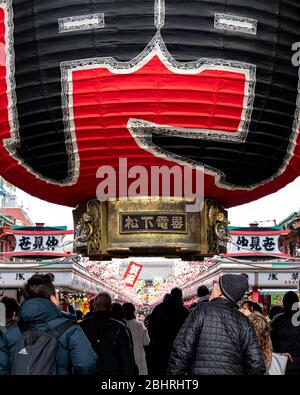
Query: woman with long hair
(262, 330)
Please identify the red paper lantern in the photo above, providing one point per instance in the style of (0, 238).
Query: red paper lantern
(158, 82)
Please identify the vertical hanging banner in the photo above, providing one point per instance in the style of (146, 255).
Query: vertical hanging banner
(132, 273)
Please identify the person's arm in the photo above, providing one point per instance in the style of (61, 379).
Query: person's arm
(254, 363)
(5, 366)
(124, 349)
(184, 345)
(82, 356)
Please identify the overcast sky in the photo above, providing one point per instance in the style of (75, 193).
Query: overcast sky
(276, 206)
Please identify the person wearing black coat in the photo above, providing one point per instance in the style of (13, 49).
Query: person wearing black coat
(203, 296)
(285, 332)
(216, 339)
(109, 339)
(164, 324)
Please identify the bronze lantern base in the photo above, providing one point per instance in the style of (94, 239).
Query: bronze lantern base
(147, 227)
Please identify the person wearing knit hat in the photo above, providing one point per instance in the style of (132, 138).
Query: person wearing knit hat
(216, 338)
(233, 286)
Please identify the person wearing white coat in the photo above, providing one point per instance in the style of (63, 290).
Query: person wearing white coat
(140, 338)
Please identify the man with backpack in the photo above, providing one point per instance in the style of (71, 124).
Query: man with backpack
(110, 339)
(42, 342)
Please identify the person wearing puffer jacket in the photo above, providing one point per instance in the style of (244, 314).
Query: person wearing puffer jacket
(216, 338)
(40, 309)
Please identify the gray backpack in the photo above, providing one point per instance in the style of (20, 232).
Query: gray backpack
(36, 350)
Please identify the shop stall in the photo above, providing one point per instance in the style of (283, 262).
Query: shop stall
(70, 275)
(269, 277)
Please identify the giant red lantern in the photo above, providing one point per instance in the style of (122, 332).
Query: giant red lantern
(84, 83)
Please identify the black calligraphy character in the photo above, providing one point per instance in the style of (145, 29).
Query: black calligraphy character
(295, 276)
(268, 244)
(242, 241)
(255, 243)
(38, 243)
(273, 277)
(51, 243)
(20, 276)
(25, 243)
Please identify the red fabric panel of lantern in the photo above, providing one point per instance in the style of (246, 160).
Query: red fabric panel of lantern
(103, 102)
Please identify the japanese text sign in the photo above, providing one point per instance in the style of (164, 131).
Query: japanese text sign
(48, 243)
(132, 273)
(254, 242)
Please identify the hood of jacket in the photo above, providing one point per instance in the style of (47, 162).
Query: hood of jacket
(203, 299)
(39, 310)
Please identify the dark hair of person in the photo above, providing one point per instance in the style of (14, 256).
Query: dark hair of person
(176, 293)
(289, 299)
(166, 297)
(275, 310)
(39, 286)
(117, 311)
(202, 291)
(129, 311)
(103, 301)
(11, 307)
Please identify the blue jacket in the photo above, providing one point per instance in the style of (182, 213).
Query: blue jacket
(74, 347)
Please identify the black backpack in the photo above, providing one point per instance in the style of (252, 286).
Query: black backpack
(36, 350)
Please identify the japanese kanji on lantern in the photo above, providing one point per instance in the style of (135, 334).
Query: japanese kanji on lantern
(92, 85)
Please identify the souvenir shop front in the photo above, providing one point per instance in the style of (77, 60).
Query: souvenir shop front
(74, 283)
(269, 279)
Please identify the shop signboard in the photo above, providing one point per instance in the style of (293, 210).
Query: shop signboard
(255, 242)
(83, 284)
(278, 279)
(39, 243)
(17, 279)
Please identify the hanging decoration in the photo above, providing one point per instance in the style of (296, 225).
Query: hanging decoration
(132, 273)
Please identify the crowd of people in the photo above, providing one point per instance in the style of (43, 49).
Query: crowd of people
(220, 334)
